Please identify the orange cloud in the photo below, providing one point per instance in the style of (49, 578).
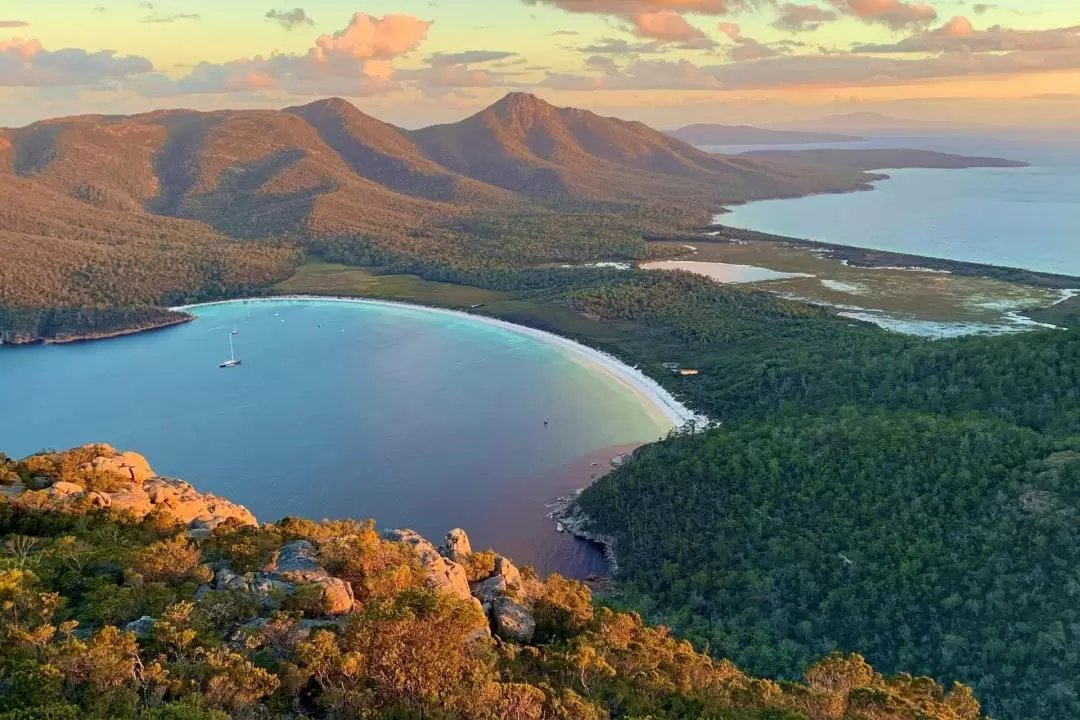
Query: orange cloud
(665, 25)
(369, 37)
(629, 7)
(353, 61)
(892, 13)
(959, 26)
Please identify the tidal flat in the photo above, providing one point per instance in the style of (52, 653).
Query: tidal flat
(920, 301)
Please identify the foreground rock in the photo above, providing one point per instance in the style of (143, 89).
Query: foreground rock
(457, 546)
(442, 574)
(512, 622)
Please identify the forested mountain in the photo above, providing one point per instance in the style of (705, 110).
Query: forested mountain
(116, 609)
(172, 205)
(539, 150)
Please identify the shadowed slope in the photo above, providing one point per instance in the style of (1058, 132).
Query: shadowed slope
(524, 144)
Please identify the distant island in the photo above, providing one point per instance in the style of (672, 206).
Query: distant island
(708, 134)
(881, 159)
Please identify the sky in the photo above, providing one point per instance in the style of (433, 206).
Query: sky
(666, 62)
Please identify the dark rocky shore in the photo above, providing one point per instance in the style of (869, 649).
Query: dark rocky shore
(571, 519)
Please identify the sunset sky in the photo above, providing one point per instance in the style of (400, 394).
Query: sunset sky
(668, 62)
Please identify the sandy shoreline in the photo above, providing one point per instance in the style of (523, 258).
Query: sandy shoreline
(677, 413)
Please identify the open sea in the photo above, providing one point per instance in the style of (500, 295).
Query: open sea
(1018, 217)
(413, 418)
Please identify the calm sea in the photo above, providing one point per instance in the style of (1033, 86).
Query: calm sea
(1019, 217)
(412, 418)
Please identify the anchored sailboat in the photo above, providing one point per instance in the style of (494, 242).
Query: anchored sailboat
(232, 361)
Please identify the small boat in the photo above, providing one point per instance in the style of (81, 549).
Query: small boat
(232, 361)
(235, 331)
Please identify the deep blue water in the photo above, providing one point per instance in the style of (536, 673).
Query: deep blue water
(1020, 217)
(413, 418)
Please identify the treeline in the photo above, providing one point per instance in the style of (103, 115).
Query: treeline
(765, 356)
(24, 325)
(71, 583)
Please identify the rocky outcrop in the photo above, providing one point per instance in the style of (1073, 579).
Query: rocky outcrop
(292, 565)
(127, 465)
(457, 547)
(512, 622)
(504, 582)
(297, 561)
(140, 493)
(441, 573)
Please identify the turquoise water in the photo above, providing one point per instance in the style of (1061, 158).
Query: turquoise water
(413, 418)
(1019, 217)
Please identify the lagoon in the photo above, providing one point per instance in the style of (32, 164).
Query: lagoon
(414, 418)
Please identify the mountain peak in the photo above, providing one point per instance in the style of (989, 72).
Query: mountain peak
(520, 103)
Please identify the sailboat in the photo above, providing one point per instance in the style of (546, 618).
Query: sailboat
(232, 361)
(235, 331)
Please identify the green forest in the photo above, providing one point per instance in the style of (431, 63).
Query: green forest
(909, 499)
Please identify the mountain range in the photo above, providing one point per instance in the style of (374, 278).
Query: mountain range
(165, 206)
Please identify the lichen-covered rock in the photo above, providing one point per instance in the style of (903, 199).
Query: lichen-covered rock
(140, 496)
(65, 489)
(269, 592)
(128, 465)
(143, 627)
(506, 582)
(297, 561)
(507, 570)
(457, 546)
(185, 503)
(512, 622)
(226, 579)
(337, 597)
(442, 574)
(132, 499)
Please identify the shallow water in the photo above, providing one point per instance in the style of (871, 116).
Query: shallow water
(413, 418)
(1018, 217)
(723, 272)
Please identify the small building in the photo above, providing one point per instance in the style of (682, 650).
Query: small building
(673, 367)
(687, 371)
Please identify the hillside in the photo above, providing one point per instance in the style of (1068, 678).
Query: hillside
(538, 150)
(127, 595)
(881, 159)
(710, 134)
(175, 205)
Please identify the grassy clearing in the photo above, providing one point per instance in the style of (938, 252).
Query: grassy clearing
(323, 278)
